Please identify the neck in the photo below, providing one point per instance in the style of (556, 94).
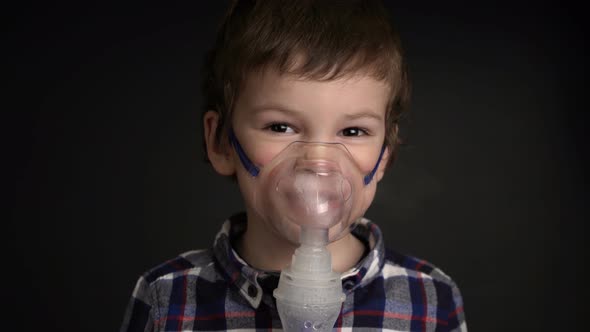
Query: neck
(267, 251)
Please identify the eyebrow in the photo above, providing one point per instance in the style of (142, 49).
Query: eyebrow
(363, 114)
(273, 108)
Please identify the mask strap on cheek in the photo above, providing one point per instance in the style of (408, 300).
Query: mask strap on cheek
(248, 164)
(367, 179)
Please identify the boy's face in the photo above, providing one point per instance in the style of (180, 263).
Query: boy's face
(274, 110)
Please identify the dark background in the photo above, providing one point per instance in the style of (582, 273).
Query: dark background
(106, 175)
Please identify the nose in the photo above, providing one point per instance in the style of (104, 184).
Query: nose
(318, 158)
(316, 151)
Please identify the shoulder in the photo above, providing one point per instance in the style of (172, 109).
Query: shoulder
(189, 262)
(396, 263)
(196, 264)
(424, 285)
(159, 280)
(159, 286)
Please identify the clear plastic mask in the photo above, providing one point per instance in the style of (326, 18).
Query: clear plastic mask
(309, 184)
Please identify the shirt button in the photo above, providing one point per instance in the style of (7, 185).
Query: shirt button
(252, 291)
(348, 285)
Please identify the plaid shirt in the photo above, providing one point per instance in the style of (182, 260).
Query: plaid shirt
(215, 290)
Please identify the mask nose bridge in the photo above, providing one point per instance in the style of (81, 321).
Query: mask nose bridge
(316, 157)
(315, 151)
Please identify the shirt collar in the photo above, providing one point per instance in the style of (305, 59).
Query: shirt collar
(256, 285)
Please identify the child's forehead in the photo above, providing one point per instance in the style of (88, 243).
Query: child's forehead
(297, 71)
(270, 89)
(269, 81)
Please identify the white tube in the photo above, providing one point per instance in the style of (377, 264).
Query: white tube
(309, 295)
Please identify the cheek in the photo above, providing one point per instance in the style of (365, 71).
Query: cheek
(365, 158)
(264, 157)
(368, 196)
(245, 181)
(263, 154)
(365, 200)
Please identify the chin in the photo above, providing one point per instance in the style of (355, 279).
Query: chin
(291, 232)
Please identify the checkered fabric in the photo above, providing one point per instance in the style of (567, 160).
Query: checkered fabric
(215, 290)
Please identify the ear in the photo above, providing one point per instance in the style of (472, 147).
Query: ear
(219, 154)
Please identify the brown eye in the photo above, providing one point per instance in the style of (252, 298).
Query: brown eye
(280, 128)
(353, 131)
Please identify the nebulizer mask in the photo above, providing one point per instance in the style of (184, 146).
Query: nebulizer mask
(313, 190)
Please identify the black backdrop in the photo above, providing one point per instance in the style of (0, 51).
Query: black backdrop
(106, 178)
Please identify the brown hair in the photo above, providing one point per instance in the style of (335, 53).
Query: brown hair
(314, 39)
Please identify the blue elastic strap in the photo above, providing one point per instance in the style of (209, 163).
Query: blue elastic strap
(370, 176)
(248, 164)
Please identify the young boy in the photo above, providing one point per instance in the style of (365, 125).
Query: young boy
(284, 71)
